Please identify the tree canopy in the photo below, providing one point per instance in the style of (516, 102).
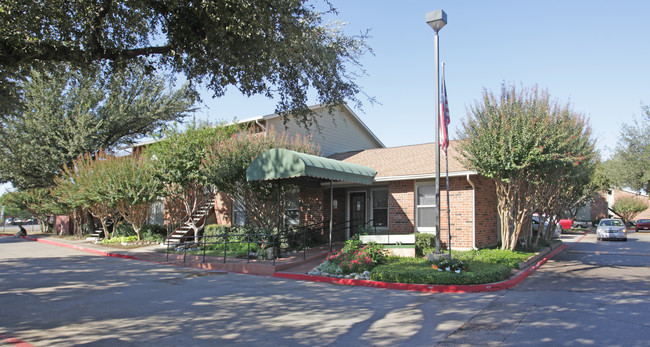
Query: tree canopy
(627, 207)
(225, 166)
(177, 162)
(66, 113)
(536, 150)
(629, 167)
(277, 48)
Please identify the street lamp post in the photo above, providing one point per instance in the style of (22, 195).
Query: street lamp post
(436, 20)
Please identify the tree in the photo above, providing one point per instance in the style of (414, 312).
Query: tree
(87, 183)
(627, 207)
(39, 202)
(277, 48)
(177, 162)
(523, 140)
(629, 167)
(133, 187)
(226, 163)
(66, 113)
(12, 208)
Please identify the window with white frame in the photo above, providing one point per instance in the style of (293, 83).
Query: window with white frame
(380, 207)
(292, 207)
(425, 207)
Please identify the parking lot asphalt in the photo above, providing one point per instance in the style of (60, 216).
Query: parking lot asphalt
(592, 293)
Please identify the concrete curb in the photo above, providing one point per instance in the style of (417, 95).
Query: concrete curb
(473, 288)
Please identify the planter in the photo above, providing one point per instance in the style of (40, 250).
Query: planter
(400, 250)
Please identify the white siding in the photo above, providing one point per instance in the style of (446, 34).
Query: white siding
(339, 132)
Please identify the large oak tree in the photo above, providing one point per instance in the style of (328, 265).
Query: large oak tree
(281, 49)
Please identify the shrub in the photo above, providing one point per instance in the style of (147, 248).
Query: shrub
(153, 232)
(123, 229)
(331, 268)
(120, 239)
(424, 243)
(154, 229)
(418, 270)
(357, 257)
(495, 256)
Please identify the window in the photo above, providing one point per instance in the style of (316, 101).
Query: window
(380, 207)
(292, 207)
(238, 213)
(425, 209)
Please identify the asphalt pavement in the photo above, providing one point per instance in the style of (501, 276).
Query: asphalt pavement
(591, 294)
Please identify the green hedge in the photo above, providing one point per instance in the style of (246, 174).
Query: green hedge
(494, 256)
(424, 243)
(418, 270)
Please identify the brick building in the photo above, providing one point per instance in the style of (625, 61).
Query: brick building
(401, 197)
(598, 208)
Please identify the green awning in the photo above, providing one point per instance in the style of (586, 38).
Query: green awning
(278, 163)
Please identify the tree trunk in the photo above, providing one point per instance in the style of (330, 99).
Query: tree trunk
(90, 223)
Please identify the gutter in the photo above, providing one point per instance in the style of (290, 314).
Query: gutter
(473, 212)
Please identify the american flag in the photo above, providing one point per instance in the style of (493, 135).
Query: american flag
(444, 115)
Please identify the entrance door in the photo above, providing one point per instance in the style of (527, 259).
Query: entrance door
(357, 212)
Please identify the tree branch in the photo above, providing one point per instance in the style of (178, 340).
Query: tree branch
(15, 55)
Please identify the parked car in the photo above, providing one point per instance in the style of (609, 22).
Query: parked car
(612, 229)
(566, 223)
(642, 224)
(581, 224)
(557, 231)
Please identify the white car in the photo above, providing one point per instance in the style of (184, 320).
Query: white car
(557, 231)
(611, 229)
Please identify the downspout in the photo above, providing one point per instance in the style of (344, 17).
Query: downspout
(473, 212)
(261, 126)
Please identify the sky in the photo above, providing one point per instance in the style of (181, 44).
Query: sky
(593, 54)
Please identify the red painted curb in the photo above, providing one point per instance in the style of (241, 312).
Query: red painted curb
(432, 288)
(14, 341)
(106, 254)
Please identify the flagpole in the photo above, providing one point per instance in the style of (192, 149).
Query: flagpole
(444, 115)
(448, 205)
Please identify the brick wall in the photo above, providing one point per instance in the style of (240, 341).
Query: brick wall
(223, 209)
(465, 217)
(599, 205)
(460, 195)
(486, 214)
(314, 204)
(401, 207)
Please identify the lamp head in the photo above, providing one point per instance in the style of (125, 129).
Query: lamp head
(437, 19)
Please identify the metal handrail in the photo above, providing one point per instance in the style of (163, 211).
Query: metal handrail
(187, 217)
(275, 239)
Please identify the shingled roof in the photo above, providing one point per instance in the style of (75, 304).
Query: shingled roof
(414, 161)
